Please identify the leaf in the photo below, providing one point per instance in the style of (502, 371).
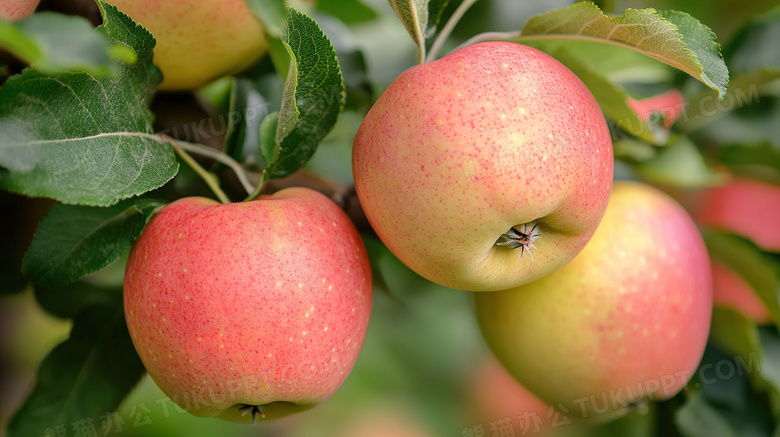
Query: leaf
(271, 13)
(55, 42)
(313, 96)
(672, 37)
(82, 379)
(247, 109)
(74, 241)
(81, 139)
(735, 333)
(69, 301)
(697, 418)
(267, 136)
(753, 46)
(414, 16)
(679, 165)
(739, 156)
(347, 11)
(742, 256)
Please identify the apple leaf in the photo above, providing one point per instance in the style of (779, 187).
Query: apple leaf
(754, 46)
(679, 165)
(312, 101)
(347, 11)
(247, 108)
(698, 418)
(745, 158)
(271, 13)
(81, 139)
(67, 302)
(55, 42)
(672, 37)
(414, 16)
(753, 265)
(84, 378)
(73, 241)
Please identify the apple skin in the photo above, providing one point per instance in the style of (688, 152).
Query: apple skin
(733, 292)
(258, 303)
(747, 207)
(669, 104)
(15, 10)
(493, 394)
(459, 150)
(626, 320)
(198, 40)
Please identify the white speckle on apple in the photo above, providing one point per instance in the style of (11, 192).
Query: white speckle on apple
(300, 285)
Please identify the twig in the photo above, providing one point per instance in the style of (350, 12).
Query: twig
(205, 175)
(448, 28)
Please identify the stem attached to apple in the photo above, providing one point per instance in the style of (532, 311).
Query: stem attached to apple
(447, 29)
(524, 240)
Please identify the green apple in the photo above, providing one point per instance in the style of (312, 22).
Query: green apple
(486, 169)
(198, 40)
(250, 310)
(627, 320)
(15, 10)
(747, 207)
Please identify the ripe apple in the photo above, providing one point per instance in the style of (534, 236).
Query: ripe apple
(493, 394)
(15, 10)
(198, 40)
(494, 143)
(249, 310)
(626, 320)
(731, 291)
(669, 104)
(744, 206)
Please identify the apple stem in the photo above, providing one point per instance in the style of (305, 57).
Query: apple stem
(447, 29)
(524, 240)
(492, 36)
(254, 410)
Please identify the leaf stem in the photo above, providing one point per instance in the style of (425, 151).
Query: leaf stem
(200, 149)
(258, 189)
(490, 36)
(448, 28)
(205, 175)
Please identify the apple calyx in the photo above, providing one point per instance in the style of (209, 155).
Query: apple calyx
(524, 240)
(254, 410)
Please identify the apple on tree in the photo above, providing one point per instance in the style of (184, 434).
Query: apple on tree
(626, 320)
(486, 169)
(15, 10)
(729, 290)
(198, 40)
(249, 310)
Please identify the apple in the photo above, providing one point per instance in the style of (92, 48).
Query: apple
(15, 10)
(747, 207)
(250, 310)
(494, 143)
(198, 40)
(625, 321)
(669, 104)
(731, 291)
(493, 394)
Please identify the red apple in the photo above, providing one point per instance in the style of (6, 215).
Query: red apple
(744, 206)
(493, 139)
(626, 320)
(249, 310)
(731, 291)
(15, 10)
(669, 104)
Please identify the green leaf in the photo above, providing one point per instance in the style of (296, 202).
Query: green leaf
(55, 42)
(414, 16)
(271, 13)
(679, 165)
(347, 11)
(753, 47)
(672, 37)
(74, 241)
(267, 137)
(697, 418)
(746, 159)
(81, 139)
(69, 301)
(84, 378)
(756, 268)
(313, 96)
(247, 109)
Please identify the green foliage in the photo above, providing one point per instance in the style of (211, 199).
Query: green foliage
(81, 139)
